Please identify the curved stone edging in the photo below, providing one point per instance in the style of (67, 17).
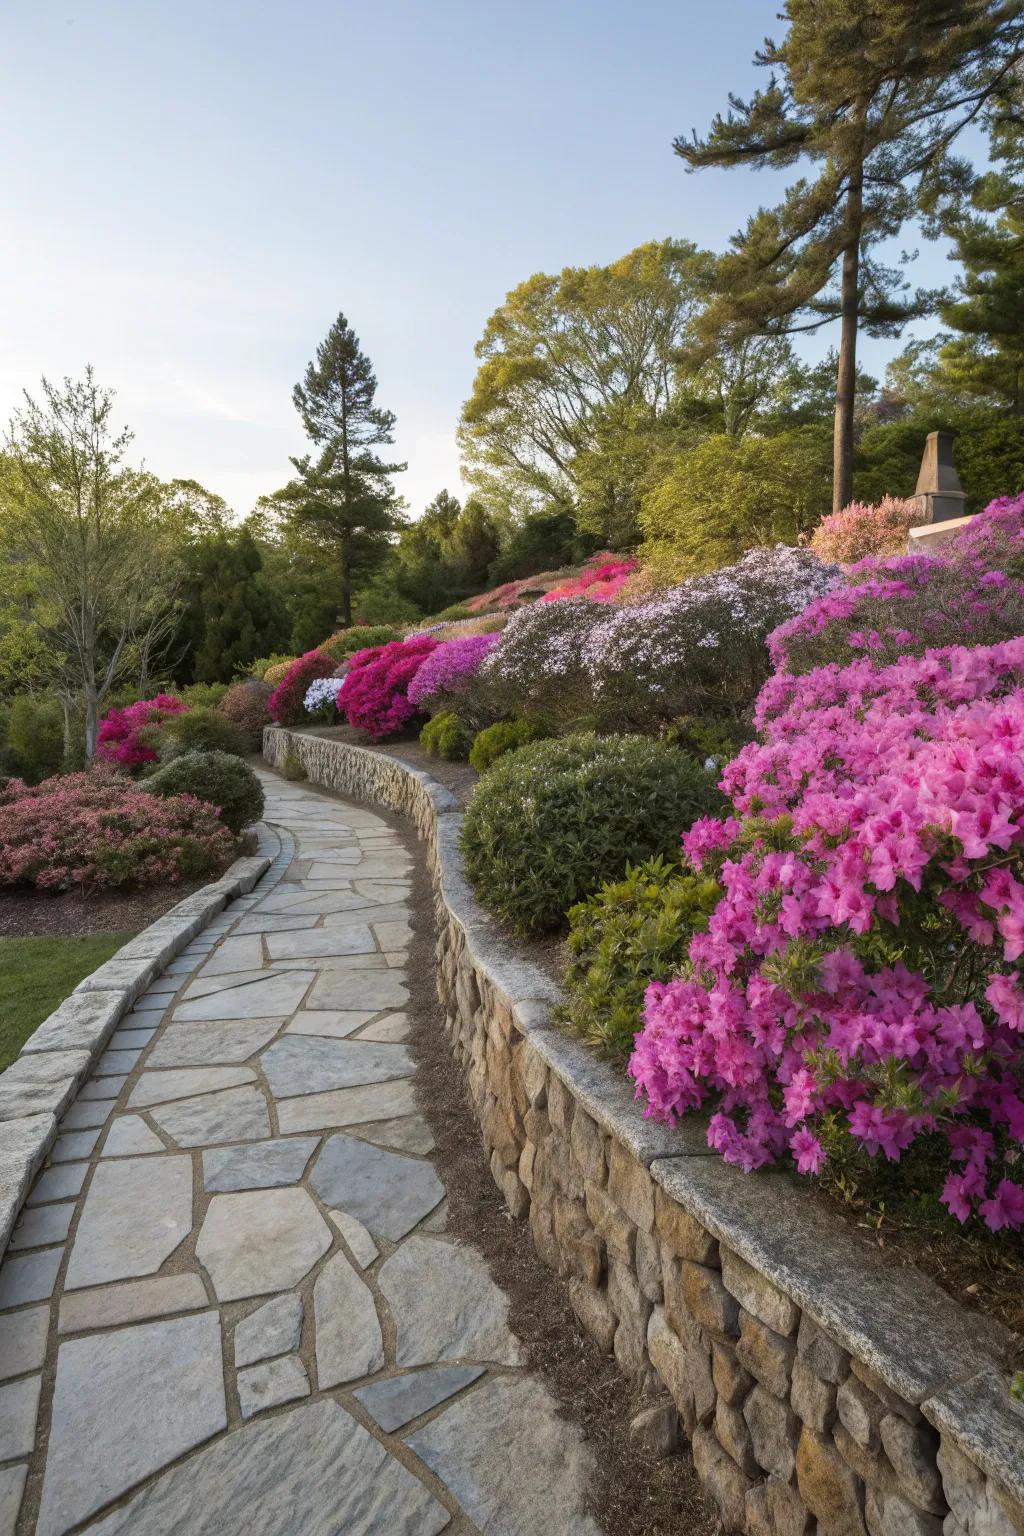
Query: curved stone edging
(55, 1060)
(812, 1377)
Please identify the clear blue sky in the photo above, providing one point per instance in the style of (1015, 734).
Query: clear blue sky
(192, 189)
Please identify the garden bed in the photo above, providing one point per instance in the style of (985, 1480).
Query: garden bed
(75, 913)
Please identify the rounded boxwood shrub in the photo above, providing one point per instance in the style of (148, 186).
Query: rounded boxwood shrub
(552, 822)
(495, 740)
(201, 730)
(446, 736)
(359, 637)
(633, 931)
(218, 777)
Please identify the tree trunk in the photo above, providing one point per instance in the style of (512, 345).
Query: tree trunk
(346, 594)
(65, 704)
(846, 374)
(92, 720)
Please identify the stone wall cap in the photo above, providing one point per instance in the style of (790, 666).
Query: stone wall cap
(23, 1145)
(982, 1418)
(898, 1322)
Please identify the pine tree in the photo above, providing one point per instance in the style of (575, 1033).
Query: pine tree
(231, 613)
(345, 497)
(873, 94)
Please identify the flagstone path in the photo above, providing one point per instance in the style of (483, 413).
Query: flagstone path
(230, 1305)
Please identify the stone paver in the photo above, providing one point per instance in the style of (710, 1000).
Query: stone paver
(236, 1250)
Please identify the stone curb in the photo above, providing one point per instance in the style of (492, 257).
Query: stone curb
(44, 1078)
(918, 1342)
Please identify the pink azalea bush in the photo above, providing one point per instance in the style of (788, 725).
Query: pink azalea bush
(972, 589)
(286, 703)
(447, 671)
(601, 583)
(98, 829)
(860, 978)
(860, 530)
(374, 694)
(127, 736)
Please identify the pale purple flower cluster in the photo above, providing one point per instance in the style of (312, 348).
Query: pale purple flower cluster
(450, 667)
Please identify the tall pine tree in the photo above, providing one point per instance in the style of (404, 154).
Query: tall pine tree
(873, 95)
(344, 498)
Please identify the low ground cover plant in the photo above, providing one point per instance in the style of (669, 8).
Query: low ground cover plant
(99, 829)
(630, 932)
(550, 823)
(219, 778)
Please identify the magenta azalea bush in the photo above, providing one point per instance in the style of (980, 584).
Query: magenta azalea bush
(127, 736)
(98, 829)
(374, 694)
(287, 701)
(861, 976)
(447, 671)
(972, 589)
(601, 583)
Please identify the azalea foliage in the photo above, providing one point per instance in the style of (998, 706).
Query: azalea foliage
(126, 736)
(374, 693)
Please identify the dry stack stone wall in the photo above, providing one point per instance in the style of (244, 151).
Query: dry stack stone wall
(822, 1390)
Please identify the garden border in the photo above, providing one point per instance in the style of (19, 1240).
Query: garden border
(55, 1060)
(812, 1378)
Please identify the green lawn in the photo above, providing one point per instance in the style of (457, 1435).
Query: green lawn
(37, 974)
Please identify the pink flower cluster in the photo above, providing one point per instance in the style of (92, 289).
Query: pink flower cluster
(602, 584)
(123, 733)
(287, 702)
(860, 976)
(99, 829)
(449, 669)
(861, 530)
(374, 694)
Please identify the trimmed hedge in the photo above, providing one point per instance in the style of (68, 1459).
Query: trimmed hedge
(216, 777)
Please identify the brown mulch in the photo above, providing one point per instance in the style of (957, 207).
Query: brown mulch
(70, 914)
(636, 1495)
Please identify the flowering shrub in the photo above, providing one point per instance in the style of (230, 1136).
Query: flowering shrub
(246, 704)
(276, 671)
(98, 829)
(286, 702)
(322, 695)
(860, 530)
(860, 978)
(374, 692)
(537, 671)
(699, 646)
(445, 675)
(602, 584)
(972, 589)
(126, 736)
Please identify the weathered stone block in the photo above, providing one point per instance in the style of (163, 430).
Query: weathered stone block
(532, 1073)
(684, 1368)
(775, 1508)
(501, 1134)
(887, 1513)
(757, 1295)
(579, 1245)
(561, 1105)
(765, 1354)
(707, 1300)
(683, 1234)
(824, 1356)
(733, 1436)
(884, 1392)
(631, 1187)
(656, 1429)
(587, 1142)
(828, 1487)
(774, 1431)
(648, 1266)
(869, 1467)
(732, 1382)
(595, 1313)
(633, 1311)
(911, 1449)
(610, 1224)
(721, 1476)
(861, 1413)
(813, 1399)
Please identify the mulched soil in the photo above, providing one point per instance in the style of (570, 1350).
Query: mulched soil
(69, 914)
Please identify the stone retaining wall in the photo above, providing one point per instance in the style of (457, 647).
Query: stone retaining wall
(822, 1390)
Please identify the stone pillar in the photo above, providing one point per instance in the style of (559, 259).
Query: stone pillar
(939, 494)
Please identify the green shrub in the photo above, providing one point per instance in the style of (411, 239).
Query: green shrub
(446, 736)
(633, 931)
(292, 767)
(454, 611)
(262, 665)
(204, 695)
(495, 740)
(217, 777)
(201, 730)
(555, 820)
(34, 737)
(340, 646)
